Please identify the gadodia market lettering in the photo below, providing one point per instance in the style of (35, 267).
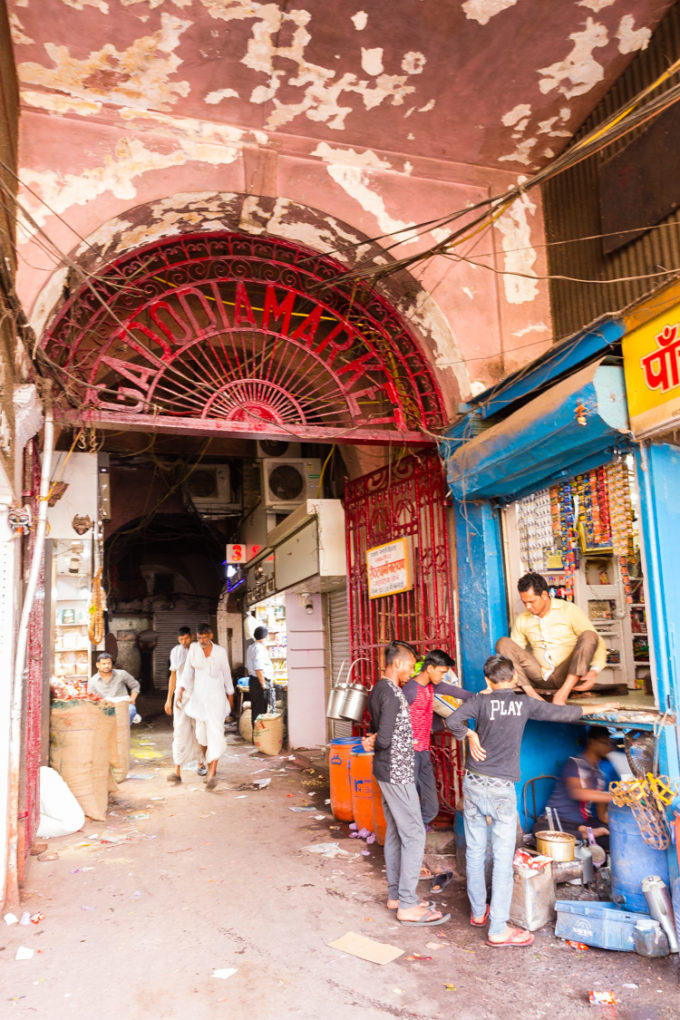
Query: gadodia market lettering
(159, 335)
(661, 368)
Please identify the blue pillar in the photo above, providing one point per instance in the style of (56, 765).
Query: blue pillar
(658, 466)
(482, 603)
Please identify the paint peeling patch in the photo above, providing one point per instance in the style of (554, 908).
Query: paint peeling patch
(372, 60)
(520, 255)
(484, 10)
(293, 222)
(359, 20)
(352, 172)
(469, 292)
(522, 153)
(216, 97)
(130, 160)
(424, 313)
(532, 327)
(596, 5)
(277, 48)
(630, 39)
(198, 130)
(56, 103)
(80, 5)
(413, 62)
(518, 113)
(547, 127)
(19, 37)
(579, 71)
(137, 76)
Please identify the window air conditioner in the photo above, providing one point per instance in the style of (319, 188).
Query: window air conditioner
(287, 483)
(277, 448)
(209, 487)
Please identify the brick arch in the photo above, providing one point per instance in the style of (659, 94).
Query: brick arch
(241, 333)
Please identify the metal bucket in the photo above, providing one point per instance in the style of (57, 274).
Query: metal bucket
(353, 705)
(336, 699)
(558, 845)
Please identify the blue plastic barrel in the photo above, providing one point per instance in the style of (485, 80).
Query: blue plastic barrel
(632, 860)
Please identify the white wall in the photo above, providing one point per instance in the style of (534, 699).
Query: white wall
(306, 661)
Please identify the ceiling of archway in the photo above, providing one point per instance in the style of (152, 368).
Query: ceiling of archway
(248, 334)
(499, 83)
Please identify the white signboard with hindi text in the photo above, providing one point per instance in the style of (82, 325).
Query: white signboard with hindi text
(389, 569)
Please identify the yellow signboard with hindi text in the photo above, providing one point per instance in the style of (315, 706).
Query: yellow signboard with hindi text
(651, 361)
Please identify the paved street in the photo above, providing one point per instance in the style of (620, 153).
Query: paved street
(141, 912)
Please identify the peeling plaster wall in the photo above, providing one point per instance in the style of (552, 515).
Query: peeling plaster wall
(130, 103)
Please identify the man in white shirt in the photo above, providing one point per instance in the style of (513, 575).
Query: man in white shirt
(260, 673)
(207, 694)
(185, 747)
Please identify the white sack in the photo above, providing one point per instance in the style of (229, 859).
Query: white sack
(60, 812)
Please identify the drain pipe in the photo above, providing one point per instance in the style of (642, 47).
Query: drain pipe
(12, 890)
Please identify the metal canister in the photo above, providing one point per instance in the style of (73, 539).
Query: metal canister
(336, 700)
(354, 704)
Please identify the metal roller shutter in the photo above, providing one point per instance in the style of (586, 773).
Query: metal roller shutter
(338, 619)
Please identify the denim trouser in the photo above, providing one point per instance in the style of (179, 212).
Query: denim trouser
(485, 796)
(426, 786)
(404, 841)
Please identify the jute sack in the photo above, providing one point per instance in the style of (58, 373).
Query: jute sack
(268, 733)
(80, 742)
(245, 723)
(119, 752)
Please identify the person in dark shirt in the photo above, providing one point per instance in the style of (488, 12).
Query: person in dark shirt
(581, 787)
(393, 769)
(419, 693)
(488, 788)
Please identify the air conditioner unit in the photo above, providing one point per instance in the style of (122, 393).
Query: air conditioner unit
(277, 448)
(287, 483)
(209, 487)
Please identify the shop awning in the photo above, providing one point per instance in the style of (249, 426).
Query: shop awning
(570, 428)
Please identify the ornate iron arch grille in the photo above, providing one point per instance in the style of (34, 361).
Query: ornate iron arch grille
(245, 334)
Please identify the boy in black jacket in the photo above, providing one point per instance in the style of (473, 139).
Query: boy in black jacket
(489, 790)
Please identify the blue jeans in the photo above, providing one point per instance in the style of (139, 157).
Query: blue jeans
(426, 786)
(485, 797)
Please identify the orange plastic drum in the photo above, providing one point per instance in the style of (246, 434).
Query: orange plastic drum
(379, 823)
(338, 767)
(361, 781)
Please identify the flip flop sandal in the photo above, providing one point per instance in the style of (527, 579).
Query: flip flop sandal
(480, 924)
(425, 874)
(426, 922)
(211, 783)
(202, 770)
(172, 778)
(441, 880)
(518, 938)
(430, 904)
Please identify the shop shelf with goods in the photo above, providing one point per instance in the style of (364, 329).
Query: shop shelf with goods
(271, 613)
(71, 582)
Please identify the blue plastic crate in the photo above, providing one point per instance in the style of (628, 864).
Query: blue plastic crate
(596, 924)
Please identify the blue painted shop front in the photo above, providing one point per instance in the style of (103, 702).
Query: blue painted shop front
(561, 416)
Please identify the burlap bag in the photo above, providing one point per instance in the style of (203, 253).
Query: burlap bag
(80, 742)
(120, 741)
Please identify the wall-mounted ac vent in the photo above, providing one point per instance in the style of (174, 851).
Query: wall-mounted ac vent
(287, 483)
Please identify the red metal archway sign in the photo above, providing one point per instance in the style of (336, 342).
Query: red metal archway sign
(240, 334)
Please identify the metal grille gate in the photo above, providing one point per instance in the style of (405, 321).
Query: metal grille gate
(404, 499)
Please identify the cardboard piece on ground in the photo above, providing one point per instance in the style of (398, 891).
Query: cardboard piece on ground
(366, 949)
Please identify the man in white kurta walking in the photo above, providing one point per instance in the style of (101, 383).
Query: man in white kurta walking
(207, 694)
(185, 747)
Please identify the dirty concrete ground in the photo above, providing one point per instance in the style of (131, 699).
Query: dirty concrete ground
(142, 910)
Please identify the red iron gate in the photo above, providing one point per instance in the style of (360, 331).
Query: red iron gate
(407, 499)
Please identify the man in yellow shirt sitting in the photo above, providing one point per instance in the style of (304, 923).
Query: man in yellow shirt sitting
(553, 644)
